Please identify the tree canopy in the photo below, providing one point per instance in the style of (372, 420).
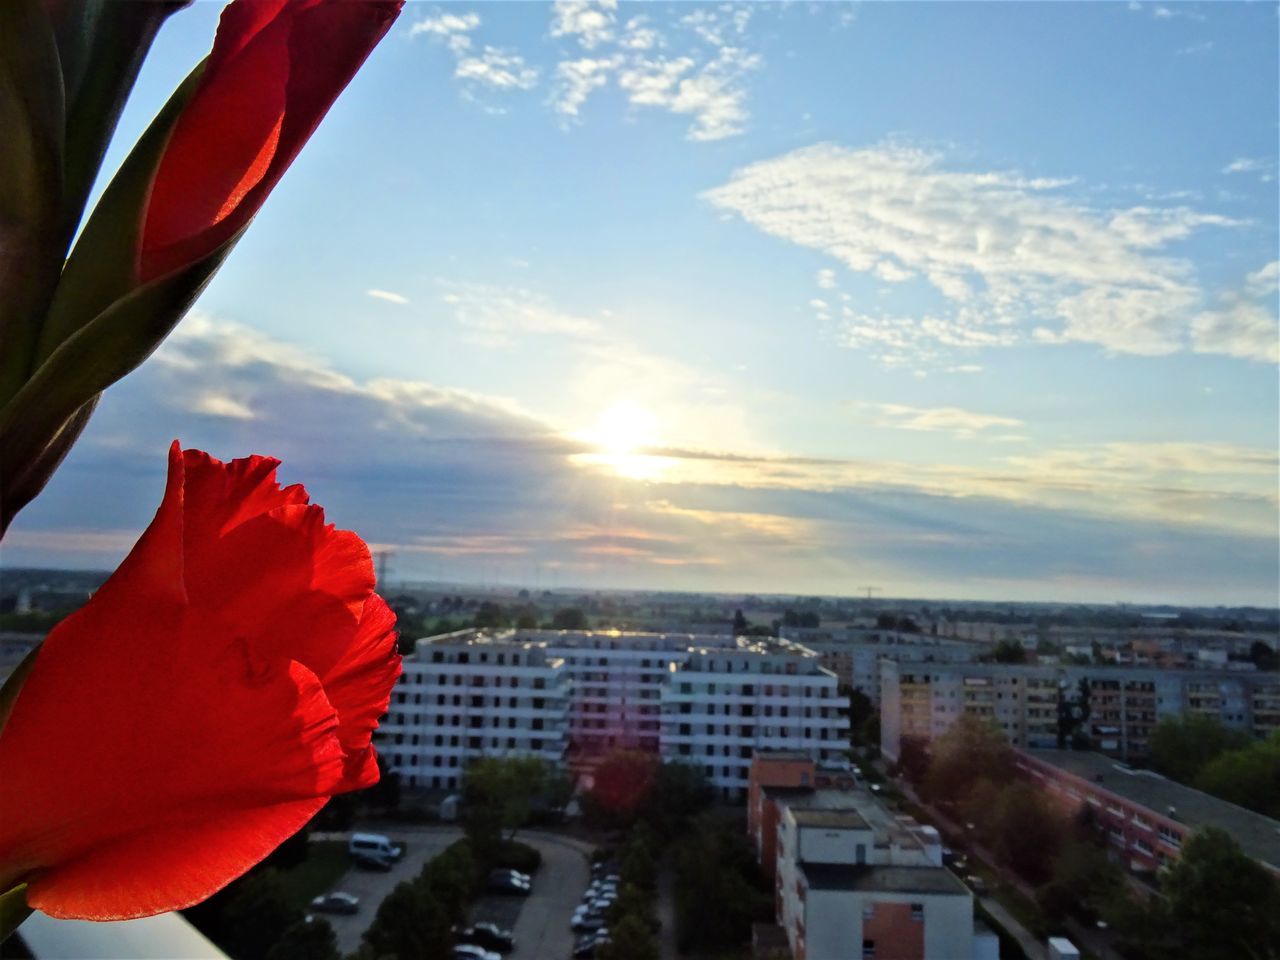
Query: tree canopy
(1182, 746)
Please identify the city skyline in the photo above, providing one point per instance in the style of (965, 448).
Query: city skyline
(960, 301)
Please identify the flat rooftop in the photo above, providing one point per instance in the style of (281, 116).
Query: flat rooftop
(882, 879)
(1257, 835)
(830, 819)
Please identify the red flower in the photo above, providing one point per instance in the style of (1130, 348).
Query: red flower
(208, 700)
(275, 69)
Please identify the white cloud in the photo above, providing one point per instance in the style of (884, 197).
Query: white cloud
(590, 22)
(1007, 252)
(1195, 49)
(708, 87)
(497, 315)
(827, 279)
(576, 79)
(388, 296)
(499, 69)
(1247, 165)
(954, 420)
(444, 24)
(221, 405)
(1262, 282)
(1241, 329)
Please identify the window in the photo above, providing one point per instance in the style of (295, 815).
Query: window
(868, 949)
(917, 912)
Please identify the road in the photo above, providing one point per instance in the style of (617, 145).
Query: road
(422, 843)
(542, 929)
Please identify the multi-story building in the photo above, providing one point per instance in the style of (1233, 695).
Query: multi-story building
(852, 880)
(723, 704)
(1145, 817)
(467, 695)
(1116, 707)
(573, 696)
(854, 655)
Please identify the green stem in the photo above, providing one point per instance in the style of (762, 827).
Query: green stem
(13, 910)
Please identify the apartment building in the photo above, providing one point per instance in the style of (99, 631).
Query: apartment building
(851, 879)
(855, 654)
(725, 703)
(1116, 708)
(571, 697)
(467, 695)
(1146, 818)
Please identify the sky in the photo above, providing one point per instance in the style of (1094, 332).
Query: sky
(950, 300)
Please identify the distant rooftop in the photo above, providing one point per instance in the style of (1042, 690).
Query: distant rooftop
(1257, 835)
(883, 879)
(832, 819)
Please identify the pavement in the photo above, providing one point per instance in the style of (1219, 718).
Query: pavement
(421, 844)
(541, 921)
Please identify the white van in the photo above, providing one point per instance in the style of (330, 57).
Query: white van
(373, 845)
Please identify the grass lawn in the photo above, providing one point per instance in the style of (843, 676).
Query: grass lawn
(326, 861)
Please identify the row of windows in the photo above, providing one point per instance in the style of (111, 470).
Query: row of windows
(768, 690)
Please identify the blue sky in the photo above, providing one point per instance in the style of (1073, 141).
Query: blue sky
(964, 300)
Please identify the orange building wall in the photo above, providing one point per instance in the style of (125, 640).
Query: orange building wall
(897, 936)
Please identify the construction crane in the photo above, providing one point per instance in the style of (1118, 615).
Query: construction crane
(871, 591)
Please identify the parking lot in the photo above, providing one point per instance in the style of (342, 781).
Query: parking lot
(421, 844)
(539, 922)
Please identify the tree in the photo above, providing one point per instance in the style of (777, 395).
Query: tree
(1263, 657)
(973, 748)
(258, 915)
(570, 618)
(1083, 881)
(312, 939)
(1249, 776)
(1182, 746)
(498, 794)
(450, 879)
(409, 925)
(490, 614)
(1010, 651)
(1025, 832)
(913, 759)
(629, 939)
(622, 785)
(740, 624)
(679, 793)
(1224, 905)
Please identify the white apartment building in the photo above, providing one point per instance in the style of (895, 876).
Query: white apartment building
(572, 696)
(1119, 706)
(724, 703)
(856, 883)
(467, 695)
(617, 682)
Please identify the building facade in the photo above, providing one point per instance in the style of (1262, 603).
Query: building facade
(571, 697)
(1145, 817)
(1114, 708)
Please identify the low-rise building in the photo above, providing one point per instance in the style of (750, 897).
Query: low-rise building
(1146, 818)
(853, 881)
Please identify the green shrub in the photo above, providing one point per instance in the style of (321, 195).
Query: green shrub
(518, 856)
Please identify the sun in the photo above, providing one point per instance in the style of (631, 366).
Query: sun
(622, 432)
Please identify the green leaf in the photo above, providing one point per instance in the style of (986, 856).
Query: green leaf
(98, 354)
(102, 46)
(13, 685)
(31, 116)
(23, 486)
(103, 266)
(13, 910)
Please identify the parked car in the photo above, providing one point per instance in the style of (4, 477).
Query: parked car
(505, 872)
(466, 951)
(507, 884)
(335, 903)
(586, 946)
(374, 844)
(367, 861)
(487, 935)
(976, 883)
(588, 922)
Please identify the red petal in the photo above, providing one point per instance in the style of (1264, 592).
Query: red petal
(275, 70)
(359, 687)
(221, 496)
(168, 867)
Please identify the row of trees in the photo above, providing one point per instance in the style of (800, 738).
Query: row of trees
(1196, 749)
(1214, 902)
